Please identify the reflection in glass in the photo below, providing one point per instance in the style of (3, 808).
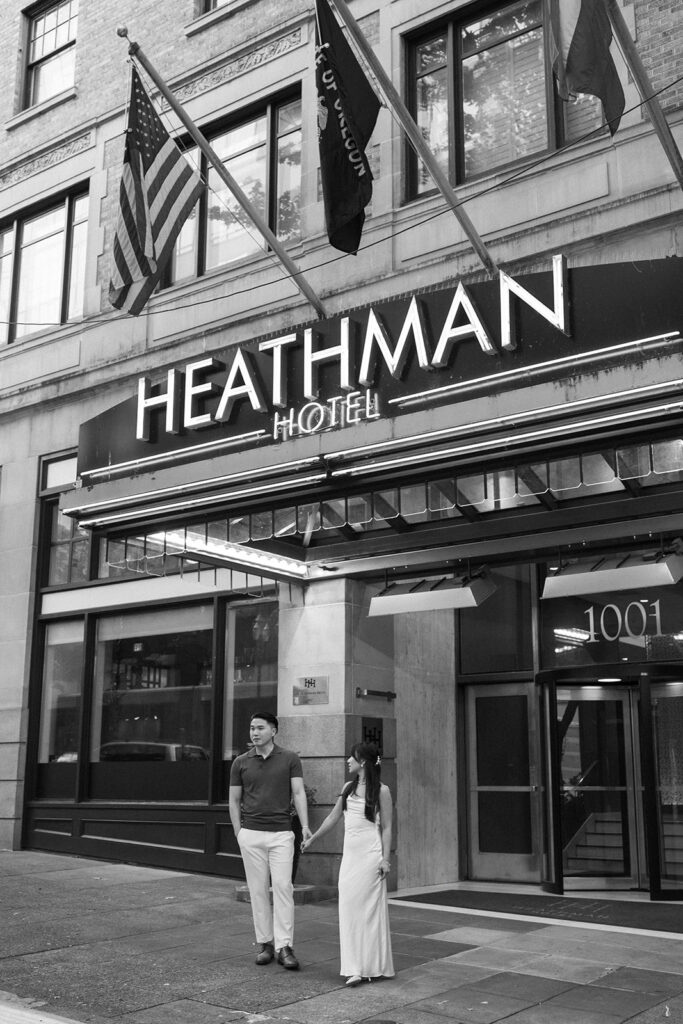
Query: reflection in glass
(69, 550)
(288, 226)
(432, 104)
(593, 787)
(230, 234)
(152, 686)
(622, 626)
(496, 637)
(53, 76)
(251, 671)
(503, 774)
(6, 264)
(503, 87)
(184, 262)
(667, 723)
(61, 699)
(42, 262)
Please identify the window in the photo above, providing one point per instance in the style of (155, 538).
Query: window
(483, 97)
(51, 51)
(61, 701)
(263, 154)
(67, 546)
(69, 550)
(42, 268)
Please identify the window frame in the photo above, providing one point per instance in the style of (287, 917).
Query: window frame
(450, 26)
(49, 501)
(268, 108)
(31, 16)
(16, 225)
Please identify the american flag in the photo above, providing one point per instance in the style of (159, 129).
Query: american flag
(158, 191)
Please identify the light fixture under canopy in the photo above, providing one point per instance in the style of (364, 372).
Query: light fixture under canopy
(620, 572)
(431, 594)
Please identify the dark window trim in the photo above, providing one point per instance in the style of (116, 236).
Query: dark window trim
(448, 25)
(17, 223)
(30, 16)
(268, 107)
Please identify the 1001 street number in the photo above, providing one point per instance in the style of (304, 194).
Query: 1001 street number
(612, 623)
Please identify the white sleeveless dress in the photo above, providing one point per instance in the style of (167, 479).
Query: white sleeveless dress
(364, 939)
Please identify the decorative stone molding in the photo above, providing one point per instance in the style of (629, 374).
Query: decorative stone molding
(45, 160)
(248, 61)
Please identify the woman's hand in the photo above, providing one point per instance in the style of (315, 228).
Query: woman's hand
(306, 843)
(384, 868)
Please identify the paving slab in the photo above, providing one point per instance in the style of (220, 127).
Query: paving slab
(119, 944)
(469, 1005)
(635, 979)
(605, 1000)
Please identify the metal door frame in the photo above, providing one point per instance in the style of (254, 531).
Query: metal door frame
(634, 845)
(535, 731)
(633, 673)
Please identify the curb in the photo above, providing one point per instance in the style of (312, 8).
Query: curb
(12, 1013)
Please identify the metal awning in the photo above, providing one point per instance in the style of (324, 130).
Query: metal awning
(564, 497)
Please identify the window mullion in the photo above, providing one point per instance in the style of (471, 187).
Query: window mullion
(16, 273)
(203, 216)
(454, 55)
(271, 182)
(66, 258)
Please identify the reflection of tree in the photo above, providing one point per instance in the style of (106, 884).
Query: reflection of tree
(504, 103)
(288, 217)
(225, 210)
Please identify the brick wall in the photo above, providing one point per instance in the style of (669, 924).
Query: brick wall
(660, 48)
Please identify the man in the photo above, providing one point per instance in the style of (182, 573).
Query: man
(263, 782)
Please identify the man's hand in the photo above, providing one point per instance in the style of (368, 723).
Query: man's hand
(306, 834)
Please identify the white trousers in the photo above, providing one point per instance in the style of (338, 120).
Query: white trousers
(267, 859)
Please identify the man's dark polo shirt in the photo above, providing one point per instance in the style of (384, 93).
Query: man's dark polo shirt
(266, 788)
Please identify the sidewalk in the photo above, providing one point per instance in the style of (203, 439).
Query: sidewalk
(102, 943)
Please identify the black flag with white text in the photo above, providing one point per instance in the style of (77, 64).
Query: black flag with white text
(347, 112)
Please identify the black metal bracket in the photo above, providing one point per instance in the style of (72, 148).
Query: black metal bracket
(389, 694)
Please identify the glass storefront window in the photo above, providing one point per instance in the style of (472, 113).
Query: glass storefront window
(251, 671)
(61, 702)
(153, 686)
(496, 636)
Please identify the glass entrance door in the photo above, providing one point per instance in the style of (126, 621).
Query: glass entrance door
(663, 769)
(504, 817)
(600, 805)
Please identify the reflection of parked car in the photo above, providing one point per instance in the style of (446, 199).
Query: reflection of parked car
(69, 755)
(134, 750)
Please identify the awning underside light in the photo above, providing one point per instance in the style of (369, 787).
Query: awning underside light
(430, 595)
(622, 572)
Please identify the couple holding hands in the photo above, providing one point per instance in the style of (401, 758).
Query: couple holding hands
(262, 783)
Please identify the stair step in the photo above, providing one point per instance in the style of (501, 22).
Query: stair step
(597, 867)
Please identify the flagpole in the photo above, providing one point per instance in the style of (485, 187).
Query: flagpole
(640, 76)
(415, 136)
(135, 51)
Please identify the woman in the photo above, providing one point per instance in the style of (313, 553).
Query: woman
(365, 803)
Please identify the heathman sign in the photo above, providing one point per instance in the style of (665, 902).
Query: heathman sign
(380, 361)
(186, 402)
